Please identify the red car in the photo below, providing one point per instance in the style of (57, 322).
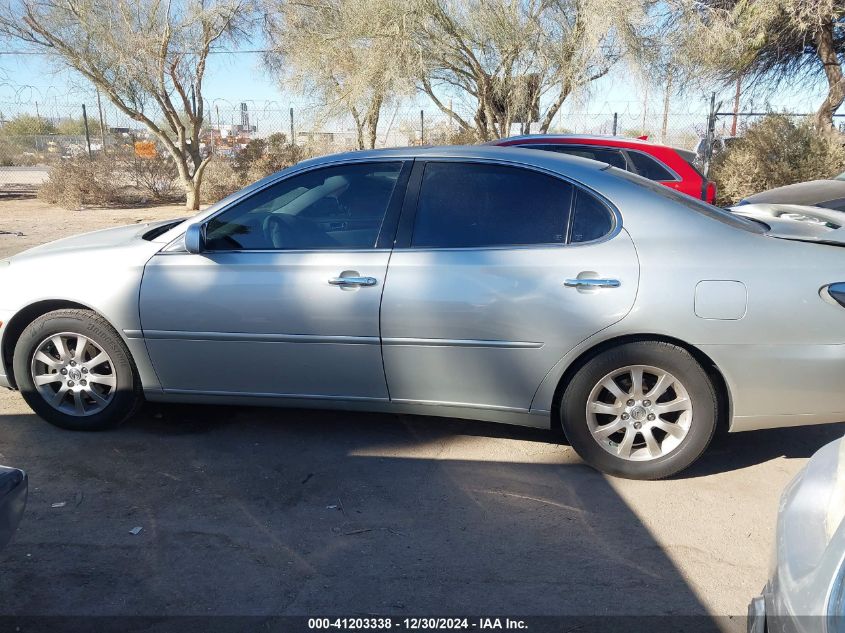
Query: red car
(667, 165)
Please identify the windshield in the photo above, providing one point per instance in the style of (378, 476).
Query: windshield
(699, 206)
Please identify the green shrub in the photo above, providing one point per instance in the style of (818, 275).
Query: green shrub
(776, 151)
(27, 125)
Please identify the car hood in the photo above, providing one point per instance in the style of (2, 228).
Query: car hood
(811, 192)
(105, 238)
(797, 222)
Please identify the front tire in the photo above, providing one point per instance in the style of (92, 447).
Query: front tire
(76, 372)
(642, 410)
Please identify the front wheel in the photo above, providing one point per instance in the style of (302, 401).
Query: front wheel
(75, 371)
(642, 410)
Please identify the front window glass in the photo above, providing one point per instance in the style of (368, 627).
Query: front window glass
(338, 207)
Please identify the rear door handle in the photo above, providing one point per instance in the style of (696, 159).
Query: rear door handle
(592, 283)
(350, 282)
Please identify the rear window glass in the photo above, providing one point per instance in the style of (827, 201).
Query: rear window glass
(699, 206)
(649, 168)
(836, 205)
(602, 154)
(467, 205)
(591, 219)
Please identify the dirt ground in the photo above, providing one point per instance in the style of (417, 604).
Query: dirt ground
(40, 222)
(272, 511)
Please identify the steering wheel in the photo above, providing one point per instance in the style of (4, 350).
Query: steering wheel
(279, 230)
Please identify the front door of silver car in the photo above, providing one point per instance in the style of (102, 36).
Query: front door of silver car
(282, 297)
(498, 272)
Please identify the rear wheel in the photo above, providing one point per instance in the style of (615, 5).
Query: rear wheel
(75, 371)
(643, 410)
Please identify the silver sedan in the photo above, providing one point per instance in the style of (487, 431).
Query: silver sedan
(482, 282)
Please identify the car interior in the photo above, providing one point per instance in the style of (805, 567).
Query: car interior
(326, 210)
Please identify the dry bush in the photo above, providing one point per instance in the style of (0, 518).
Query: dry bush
(219, 180)
(155, 177)
(776, 151)
(273, 162)
(115, 179)
(262, 157)
(84, 181)
(12, 156)
(444, 135)
(122, 177)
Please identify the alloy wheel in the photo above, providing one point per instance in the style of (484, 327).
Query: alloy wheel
(639, 412)
(73, 374)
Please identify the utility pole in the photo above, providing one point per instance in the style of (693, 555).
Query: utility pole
(615, 122)
(422, 127)
(292, 137)
(37, 116)
(709, 136)
(736, 105)
(667, 95)
(643, 131)
(219, 131)
(102, 123)
(87, 134)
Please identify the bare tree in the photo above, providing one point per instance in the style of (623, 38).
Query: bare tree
(147, 56)
(766, 43)
(518, 61)
(346, 54)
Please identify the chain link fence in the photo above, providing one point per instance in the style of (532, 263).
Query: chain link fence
(35, 136)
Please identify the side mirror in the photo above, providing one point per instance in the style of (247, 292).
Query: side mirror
(195, 239)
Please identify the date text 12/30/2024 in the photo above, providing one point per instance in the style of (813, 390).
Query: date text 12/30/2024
(417, 624)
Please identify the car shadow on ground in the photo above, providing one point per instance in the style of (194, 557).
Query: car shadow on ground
(732, 451)
(266, 512)
(727, 451)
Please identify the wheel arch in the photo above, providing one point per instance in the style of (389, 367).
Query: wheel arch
(23, 317)
(723, 392)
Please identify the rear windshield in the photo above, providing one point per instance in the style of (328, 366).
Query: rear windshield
(699, 206)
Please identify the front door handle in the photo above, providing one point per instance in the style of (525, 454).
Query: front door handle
(592, 283)
(352, 282)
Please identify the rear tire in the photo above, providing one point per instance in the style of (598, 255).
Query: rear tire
(642, 410)
(76, 372)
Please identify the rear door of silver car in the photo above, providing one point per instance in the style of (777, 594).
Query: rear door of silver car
(498, 271)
